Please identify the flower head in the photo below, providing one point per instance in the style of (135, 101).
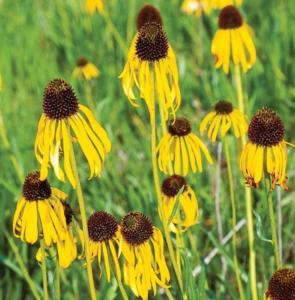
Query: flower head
(151, 65)
(233, 41)
(103, 233)
(181, 149)
(85, 69)
(187, 214)
(222, 119)
(142, 247)
(266, 149)
(39, 212)
(92, 6)
(64, 120)
(281, 285)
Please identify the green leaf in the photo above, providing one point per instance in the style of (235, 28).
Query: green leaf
(259, 229)
(188, 279)
(176, 206)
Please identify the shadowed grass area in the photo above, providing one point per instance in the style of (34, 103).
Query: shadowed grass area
(41, 40)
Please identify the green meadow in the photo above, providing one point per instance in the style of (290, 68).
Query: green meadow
(41, 40)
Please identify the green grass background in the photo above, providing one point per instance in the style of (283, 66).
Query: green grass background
(41, 40)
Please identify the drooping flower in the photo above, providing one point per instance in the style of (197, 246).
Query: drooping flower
(142, 246)
(67, 248)
(151, 65)
(281, 285)
(39, 212)
(187, 214)
(196, 7)
(103, 236)
(181, 149)
(64, 121)
(266, 150)
(223, 118)
(233, 41)
(85, 69)
(92, 6)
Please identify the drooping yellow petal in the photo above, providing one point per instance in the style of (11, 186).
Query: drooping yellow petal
(99, 131)
(32, 223)
(106, 261)
(67, 149)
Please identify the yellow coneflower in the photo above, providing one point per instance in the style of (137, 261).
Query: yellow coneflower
(94, 5)
(223, 3)
(233, 40)
(182, 147)
(266, 150)
(85, 69)
(67, 249)
(281, 285)
(196, 7)
(187, 215)
(62, 114)
(151, 65)
(103, 234)
(39, 212)
(222, 119)
(142, 246)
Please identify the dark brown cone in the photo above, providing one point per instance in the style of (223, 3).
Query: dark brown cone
(59, 100)
(136, 228)
(34, 189)
(266, 128)
(102, 226)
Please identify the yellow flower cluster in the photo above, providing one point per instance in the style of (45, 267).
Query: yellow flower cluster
(133, 249)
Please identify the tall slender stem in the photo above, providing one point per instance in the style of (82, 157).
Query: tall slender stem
(239, 88)
(120, 285)
(57, 280)
(44, 271)
(252, 263)
(164, 131)
(89, 96)
(84, 223)
(272, 221)
(234, 218)
(158, 190)
(280, 222)
(217, 204)
(252, 254)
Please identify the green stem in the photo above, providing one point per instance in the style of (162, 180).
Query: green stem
(44, 271)
(158, 190)
(88, 93)
(251, 243)
(84, 222)
(22, 266)
(120, 285)
(164, 131)
(234, 218)
(169, 295)
(57, 280)
(252, 264)
(272, 222)
(239, 88)
(115, 32)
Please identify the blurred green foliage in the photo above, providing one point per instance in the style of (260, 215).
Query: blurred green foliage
(41, 40)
